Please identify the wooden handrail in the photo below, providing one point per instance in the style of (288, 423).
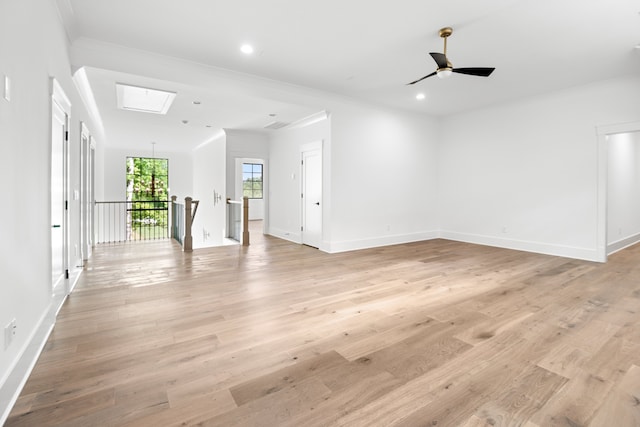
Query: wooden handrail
(245, 222)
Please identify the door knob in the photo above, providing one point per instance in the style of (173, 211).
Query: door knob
(317, 203)
(56, 226)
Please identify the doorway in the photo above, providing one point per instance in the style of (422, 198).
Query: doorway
(311, 194)
(250, 179)
(623, 187)
(87, 156)
(611, 234)
(60, 107)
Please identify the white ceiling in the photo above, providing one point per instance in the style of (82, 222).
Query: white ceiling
(362, 49)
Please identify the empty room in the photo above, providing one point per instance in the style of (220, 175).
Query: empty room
(320, 214)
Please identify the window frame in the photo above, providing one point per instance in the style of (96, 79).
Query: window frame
(253, 182)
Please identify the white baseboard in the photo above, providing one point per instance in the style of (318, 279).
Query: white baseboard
(522, 245)
(26, 360)
(285, 235)
(27, 357)
(622, 244)
(374, 242)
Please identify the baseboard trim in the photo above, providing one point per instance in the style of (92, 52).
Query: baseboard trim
(17, 378)
(19, 373)
(375, 242)
(522, 245)
(285, 235)
(623, 244)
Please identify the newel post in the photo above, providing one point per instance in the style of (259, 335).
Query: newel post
(187, 244)
(245, 221)
(173, 216)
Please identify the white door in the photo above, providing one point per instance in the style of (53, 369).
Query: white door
(312, 197)
(58, 133)
(86, 194)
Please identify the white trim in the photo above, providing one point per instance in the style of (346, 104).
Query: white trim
(588, 254)
(305, 148)
(310, 146)
(623, 244)
(81, 81)
(19, 373)
(59, 96)
(285, 235)
(309, 120)
(374, 242)
(603, 132)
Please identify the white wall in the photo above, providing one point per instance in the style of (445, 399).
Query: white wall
(525, 175)
(247, 147)
(209, 171)
(284, 209)
(623, 190)
(383, 177)
(379, 177)
(33, 48)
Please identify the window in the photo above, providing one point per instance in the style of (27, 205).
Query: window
(252, 180)
(147, 204)
(147, 178)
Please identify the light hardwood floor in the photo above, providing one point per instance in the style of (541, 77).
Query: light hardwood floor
(434, 333)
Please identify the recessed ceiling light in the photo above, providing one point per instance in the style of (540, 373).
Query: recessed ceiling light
(272, 115)
(247, 49)
(207, 126)
(143, 99)
(420, 96)
(184, 122)
(197, 102)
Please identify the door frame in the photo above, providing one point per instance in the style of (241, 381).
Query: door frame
(60, 288)
(305, 148)
(237, 185)
(603, 170)
(86, 192)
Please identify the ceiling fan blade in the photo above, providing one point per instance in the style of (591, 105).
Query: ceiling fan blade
(421, 79)
(440, 59)
(475, 71)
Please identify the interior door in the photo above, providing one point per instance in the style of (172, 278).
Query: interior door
(58, 132)
(86, 193)
(312, 197)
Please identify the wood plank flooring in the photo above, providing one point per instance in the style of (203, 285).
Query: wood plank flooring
(433, 333)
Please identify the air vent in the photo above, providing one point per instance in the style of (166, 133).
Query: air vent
(276, 125)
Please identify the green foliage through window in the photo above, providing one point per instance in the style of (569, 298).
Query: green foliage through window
(147, 178)
(147, 194)
(252, 180)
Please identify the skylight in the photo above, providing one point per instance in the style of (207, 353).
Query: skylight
(146, 100)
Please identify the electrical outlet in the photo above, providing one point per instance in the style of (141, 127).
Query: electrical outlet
(9, 333)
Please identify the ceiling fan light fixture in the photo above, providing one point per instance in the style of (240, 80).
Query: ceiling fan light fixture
(443, 73)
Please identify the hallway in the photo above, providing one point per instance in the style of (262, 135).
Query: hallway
(280, 334)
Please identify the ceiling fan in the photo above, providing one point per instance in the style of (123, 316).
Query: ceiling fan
(444, 66)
